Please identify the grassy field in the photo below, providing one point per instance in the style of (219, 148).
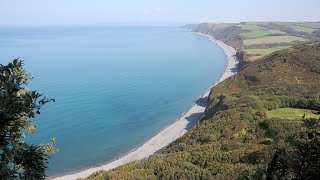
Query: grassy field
(272, 39)
(291, 113)
(251, 26)
(256, 31)
(267, 51)
(277, 32)
(256, 34)
(315, 25)
(301, 28)
(259, 34)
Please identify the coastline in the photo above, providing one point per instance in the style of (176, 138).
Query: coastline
(173, 131)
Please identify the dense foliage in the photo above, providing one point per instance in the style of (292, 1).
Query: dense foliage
(301, 159)
(18, 106)
(236, 139)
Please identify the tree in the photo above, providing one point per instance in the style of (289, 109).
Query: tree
(18, 108)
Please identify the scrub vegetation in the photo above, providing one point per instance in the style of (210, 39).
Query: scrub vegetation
(246, 132)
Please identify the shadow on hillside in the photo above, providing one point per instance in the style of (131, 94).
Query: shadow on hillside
(193, 120)
(203, 102)
(236, 68)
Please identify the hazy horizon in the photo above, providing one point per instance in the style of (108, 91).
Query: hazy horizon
(142, 12)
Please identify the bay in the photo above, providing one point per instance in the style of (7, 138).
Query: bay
(114, 86)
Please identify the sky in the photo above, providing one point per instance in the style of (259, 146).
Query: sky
(161, 12)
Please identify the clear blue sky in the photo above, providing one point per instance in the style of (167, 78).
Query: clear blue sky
(82, 12)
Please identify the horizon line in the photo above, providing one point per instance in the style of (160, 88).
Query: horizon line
(154, 24)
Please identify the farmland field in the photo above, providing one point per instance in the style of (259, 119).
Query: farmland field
(277, 32)
(315, 25)
(272, 39)
(301, 28)
(251, 27)
(256, 34)
(266, 51)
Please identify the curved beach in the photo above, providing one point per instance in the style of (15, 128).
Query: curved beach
(175, 130)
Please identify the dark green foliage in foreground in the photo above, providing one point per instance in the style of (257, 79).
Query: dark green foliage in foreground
(18, 106)
(235, 139)
(301, 159)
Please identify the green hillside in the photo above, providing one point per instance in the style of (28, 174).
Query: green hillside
(257, 39)
(245, 121)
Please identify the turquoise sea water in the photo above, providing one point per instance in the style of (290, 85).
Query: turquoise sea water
(114, 87)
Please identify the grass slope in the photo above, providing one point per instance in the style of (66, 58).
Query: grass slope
(236, 138)
(292, 113)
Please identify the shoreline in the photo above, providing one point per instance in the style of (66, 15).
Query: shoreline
(186, 121)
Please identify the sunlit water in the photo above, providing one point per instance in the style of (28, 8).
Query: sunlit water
(114, 87)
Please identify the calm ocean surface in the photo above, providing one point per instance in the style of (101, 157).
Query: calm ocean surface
(114, 87)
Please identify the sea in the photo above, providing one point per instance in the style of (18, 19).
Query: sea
(114, 86)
